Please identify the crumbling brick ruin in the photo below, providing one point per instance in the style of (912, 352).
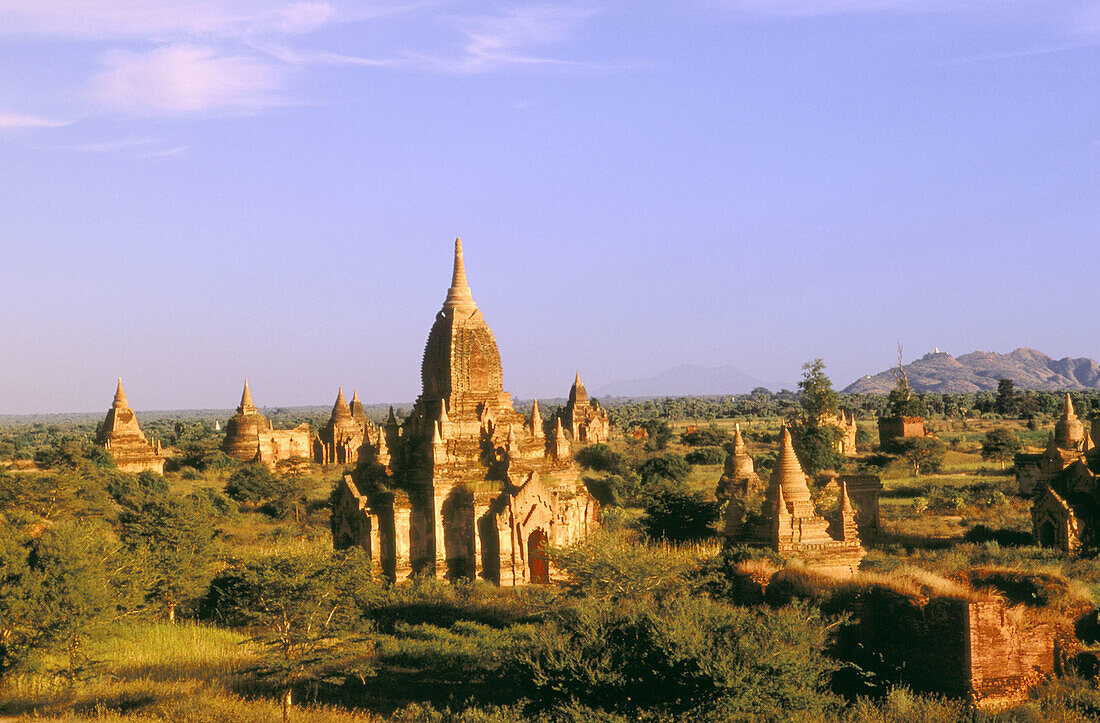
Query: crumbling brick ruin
(249, 436)
(892, 429)
(739, 479)
(465, 485)
(1064, 482)
(121, 436)
(1069, 442)
(790, 525)
(585, 420)
(917, 629)
(347, 430)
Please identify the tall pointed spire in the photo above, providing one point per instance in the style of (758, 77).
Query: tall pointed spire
(246, 400)
(789, 475)
(120, 396)
(1068, 412)
(738, 440)
(341, 408)
(536, 419)
(459, 294)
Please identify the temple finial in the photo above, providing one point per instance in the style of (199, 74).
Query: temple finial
(1069, 412)
(459, 293)
(120, 396)
(246, 398)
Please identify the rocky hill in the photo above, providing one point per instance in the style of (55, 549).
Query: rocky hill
(980, 370)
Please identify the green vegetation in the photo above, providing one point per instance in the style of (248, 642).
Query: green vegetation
(212, 593)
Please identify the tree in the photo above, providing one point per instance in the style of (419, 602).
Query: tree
(174, 537)
(672, 512)
(900, 401)
(1006, 398)
(816, 393)
(1000, 444)
(601, 458)
(925, 454)
(671, 466)
(306, 612)
(816, 447)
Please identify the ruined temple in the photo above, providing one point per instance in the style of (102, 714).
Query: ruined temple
(846, 440)
(1069, 442)
(739, 479)
(790, 524)
(892, 429)
(585, 420)
(347, 430)
(121, 436)
(249, 436)
(465, 486)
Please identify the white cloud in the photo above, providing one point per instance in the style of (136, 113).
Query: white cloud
(14, 120)
(836, 7)
(105, 19)
(187, 78)
(497, 41)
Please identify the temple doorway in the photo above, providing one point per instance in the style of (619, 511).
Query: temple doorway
(538, 557)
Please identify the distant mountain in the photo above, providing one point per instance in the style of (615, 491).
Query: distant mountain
(684, 381)
(980, 370)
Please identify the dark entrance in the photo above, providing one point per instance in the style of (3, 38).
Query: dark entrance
(538, 557)
(1047, 535)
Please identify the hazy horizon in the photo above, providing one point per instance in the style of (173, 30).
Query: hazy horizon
(197, 193)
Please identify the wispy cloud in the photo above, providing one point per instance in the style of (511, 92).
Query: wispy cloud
(166, 152)
(13, 120)
(497, 41)
(187, 78)
(797, 8)
(106, 146)
(117, 19)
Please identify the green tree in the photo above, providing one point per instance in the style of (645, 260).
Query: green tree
(816, 447)
(925, 454)
(601, 458)
(670, 466)
(1006, 398)
(306, 613)
(672, 512)
(713, 661)
(901, 402)
(816, 393)
(1000, 444)
(174, 536)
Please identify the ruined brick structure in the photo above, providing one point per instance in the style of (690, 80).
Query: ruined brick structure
(466, 486)
(121, 436)
(585, 420)
(864, 490)
(1069, 442)
(739, 479)
(791, 526)
(846, 425)
(249, 436)
(891, 429)
(347, 430)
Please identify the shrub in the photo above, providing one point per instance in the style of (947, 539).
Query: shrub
(711, 436)
(671, 466)
(684, 657)
(706, 455)
(601, 458)
(675, 513)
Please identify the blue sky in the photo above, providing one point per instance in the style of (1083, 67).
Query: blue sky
(196, 192)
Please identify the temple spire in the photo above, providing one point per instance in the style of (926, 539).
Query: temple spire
(341, 408)
(459, 293)
(120, 396)
(1069, 413)
(246, 400)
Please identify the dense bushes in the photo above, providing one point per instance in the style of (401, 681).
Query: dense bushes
(672, 512)
(684, 656)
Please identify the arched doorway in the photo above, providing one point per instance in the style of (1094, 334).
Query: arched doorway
(538, 557)
(1048, 536)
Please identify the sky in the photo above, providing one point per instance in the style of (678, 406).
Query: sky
(200, 191)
